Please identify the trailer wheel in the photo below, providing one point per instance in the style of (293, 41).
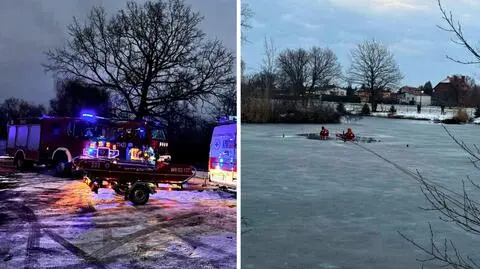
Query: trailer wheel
(139, 195)
(62, 167)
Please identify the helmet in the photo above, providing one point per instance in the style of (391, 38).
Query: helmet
(323, 127)
(349, 129)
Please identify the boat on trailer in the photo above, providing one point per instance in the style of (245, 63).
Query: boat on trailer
(136, 180)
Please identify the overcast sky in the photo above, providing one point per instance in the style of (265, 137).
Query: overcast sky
(408, 27)
(29, 27)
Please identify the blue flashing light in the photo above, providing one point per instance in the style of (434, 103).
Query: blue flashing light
(88, 114)
(227, 119)
(45, 117)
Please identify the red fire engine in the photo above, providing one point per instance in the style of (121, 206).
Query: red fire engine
(57, 141)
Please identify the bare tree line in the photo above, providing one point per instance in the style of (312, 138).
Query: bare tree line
(303, 72)
(153, 58)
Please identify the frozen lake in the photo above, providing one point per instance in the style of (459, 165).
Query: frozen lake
(329, 204)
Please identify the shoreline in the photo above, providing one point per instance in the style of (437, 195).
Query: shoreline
(384, 115)
(424, 117)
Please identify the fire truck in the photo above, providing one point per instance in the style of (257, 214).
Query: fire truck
(58, 141)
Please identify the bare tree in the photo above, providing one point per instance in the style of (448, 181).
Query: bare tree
(455, 28)
(324, 68)
(245, 21)
(373, 65)
(306, 71)
(292, 65)
(151, 57)
(460, 208)
(269, 68)
(228, 102)
(73, 95)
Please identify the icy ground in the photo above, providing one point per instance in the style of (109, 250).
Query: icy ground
(47, 222)
(329, 204)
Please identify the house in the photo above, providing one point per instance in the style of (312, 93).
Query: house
(383, 96)
(412, 96)
(453, 91)
(337, 91)
(386, 94)
(364, 95)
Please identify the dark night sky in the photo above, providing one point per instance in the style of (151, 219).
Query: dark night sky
(29, 27)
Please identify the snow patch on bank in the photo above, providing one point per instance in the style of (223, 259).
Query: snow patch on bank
(415, 115)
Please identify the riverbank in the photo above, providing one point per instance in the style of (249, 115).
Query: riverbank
(448, 118)
(414, 116)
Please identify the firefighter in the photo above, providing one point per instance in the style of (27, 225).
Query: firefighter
(324, 133)
(349, 135)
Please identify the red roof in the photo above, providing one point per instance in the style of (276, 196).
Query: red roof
(458, 81)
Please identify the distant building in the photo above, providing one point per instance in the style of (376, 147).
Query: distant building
(412, 96)
(337, 91)
(453, 91)
(386, 95)
(364, 95)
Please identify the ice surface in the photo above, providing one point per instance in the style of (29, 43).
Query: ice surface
(330, 204)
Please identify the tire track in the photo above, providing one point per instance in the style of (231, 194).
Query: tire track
(112, 245)
(33, 239)
(97, 258)
(75, 250)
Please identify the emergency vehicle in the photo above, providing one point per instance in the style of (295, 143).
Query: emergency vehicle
(222, 163)
(57, 141)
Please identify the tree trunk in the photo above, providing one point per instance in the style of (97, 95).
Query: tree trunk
(373, 100)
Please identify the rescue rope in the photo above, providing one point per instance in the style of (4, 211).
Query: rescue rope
(415, 176)
(404, 170)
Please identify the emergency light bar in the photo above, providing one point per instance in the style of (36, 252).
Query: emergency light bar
(101, 152)
(90, 115)
(227, 119)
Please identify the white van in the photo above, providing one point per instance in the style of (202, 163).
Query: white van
(222, 162)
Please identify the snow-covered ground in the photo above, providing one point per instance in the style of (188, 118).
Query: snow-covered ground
(329, 204)
(47, 222)
(415, 115)
(409, 111)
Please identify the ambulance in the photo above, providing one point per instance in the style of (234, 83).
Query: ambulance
(222, 162)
